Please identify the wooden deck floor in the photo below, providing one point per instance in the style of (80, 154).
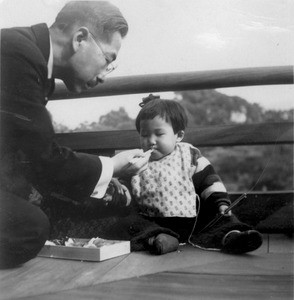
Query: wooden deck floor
(187, 274)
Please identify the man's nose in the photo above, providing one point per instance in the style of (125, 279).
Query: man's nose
(100, 78)
(95, 81)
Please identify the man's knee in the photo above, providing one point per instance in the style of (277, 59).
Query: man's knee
(24, 230)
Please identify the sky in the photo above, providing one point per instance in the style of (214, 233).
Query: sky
(180, 36)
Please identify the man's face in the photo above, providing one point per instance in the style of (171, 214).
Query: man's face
(89, 64)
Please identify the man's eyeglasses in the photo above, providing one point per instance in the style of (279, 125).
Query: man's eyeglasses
(111, 65)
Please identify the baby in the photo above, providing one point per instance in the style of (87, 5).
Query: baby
(179, 189)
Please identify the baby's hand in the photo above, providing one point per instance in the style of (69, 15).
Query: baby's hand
(222, 210)
(117, 194)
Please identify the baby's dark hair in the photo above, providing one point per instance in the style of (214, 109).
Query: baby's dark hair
(169, 110)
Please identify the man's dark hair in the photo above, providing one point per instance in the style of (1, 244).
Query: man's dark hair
(169, 110)
(101, 17)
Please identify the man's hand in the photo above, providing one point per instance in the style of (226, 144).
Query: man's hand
(129, 163)
(222, 210)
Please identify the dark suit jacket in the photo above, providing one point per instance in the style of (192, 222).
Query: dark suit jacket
(29, 151)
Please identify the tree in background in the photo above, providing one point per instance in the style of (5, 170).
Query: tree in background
(209, 107)
(117, 120)
(60, 128)
(241, 167)
(114, 120)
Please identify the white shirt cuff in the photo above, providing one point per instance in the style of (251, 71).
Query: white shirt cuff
(105, 177)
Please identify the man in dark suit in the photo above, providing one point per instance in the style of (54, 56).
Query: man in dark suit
(80, 49)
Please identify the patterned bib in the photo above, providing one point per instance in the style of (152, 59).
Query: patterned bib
(165, 188)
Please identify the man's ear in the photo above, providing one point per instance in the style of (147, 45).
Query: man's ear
(81, 35)
(181, 135)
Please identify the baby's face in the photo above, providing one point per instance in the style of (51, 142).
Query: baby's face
(157, 134)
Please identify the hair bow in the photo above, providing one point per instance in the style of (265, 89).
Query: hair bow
(148, 99)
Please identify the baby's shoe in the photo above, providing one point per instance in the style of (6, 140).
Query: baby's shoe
(237, 242)
(163, 243)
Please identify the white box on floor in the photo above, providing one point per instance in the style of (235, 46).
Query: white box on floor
(105, 250)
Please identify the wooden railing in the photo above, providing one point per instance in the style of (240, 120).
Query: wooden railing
(205, 136)
(184, 81)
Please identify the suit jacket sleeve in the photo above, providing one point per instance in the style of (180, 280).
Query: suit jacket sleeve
(27, 125)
